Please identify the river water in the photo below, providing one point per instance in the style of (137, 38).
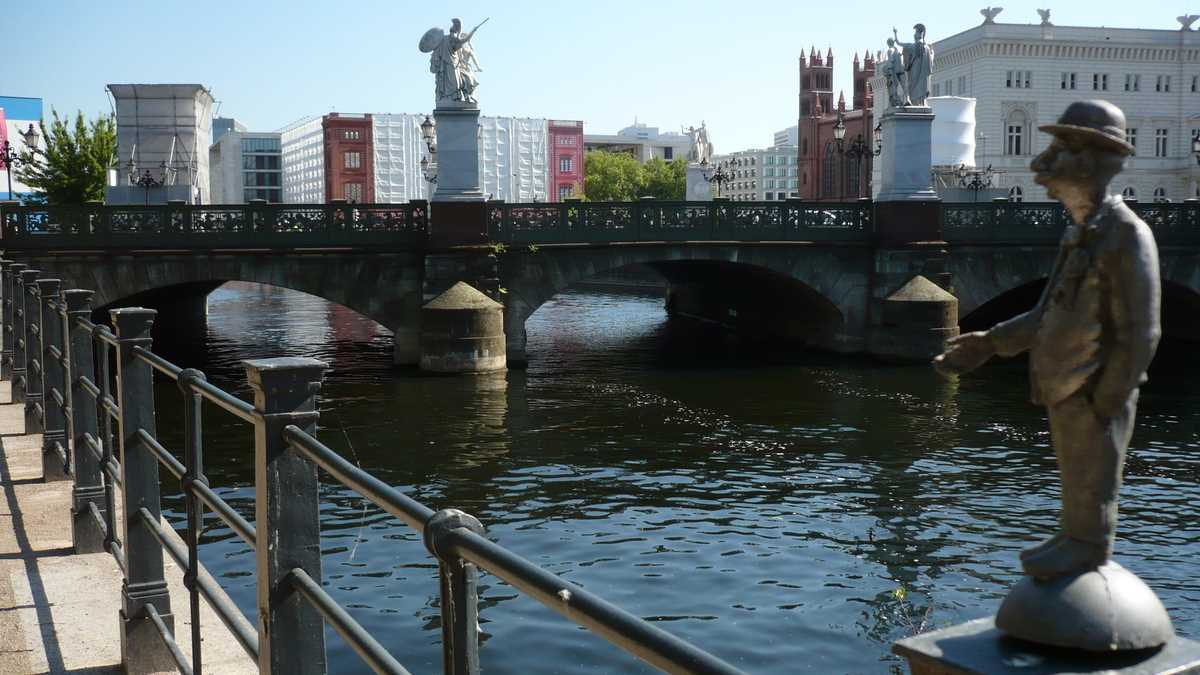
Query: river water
(789, 514)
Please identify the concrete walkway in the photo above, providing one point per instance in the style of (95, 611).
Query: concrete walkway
(58, 610)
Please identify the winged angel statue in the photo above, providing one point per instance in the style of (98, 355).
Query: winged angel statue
(452, 62)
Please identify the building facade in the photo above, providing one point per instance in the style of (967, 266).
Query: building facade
(222, 125)
(164, 132)
(566, 159)
(17, 113)
(643, 142)
(302, 148)
(769, 174)
(349, 158)
(245, 166)
(1023, 76)
(829, 170)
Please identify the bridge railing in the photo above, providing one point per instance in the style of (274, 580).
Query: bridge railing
(187, 226)
(109, 447)
(653, 220)
(1001, 222)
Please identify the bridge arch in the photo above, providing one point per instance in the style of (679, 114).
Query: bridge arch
(826, 285)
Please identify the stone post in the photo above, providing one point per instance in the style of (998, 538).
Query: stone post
(87, 533)
(291, 631)
(18, 330)
(5, 319)
(142, 649)
(33, 352)
(56, 455)
(8, 278)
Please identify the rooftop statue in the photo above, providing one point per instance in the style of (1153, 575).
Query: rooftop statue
(452, 62)
(1090, 338)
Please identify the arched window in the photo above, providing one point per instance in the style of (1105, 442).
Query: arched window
(853, 170)
(1160, 195)
(1016, 194)
(804, 146)
(827, 172)
(1129, 192)
(1016, 133)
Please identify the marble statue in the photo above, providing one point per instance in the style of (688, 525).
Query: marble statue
(893, 73)
(701, 151)
(453, 63)
(990, 14)
(918, 64)
(1090, 339)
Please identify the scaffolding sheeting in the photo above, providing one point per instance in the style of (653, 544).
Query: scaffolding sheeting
(165, 129)
(398, 151)
(513, 159)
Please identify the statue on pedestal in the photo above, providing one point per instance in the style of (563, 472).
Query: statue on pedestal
(893, 73)
(918, 64)
(701, 151)
(452, 62)
(1090, 338)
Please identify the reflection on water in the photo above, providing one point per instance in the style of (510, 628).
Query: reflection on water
(763, 506)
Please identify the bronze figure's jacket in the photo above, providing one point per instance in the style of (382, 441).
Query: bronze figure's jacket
(1096, 325)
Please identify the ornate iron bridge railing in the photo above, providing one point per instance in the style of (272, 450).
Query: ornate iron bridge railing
(651, 221)
(1004, 222)
(185, 226)
(98, 427)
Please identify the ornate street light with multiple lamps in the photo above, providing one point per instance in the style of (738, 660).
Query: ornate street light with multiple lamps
(858, 148)
(429, 163)
(9, 157)
(723, 173)
(973, 179)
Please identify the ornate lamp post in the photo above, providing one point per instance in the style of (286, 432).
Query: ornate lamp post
(721, 175)
(857, 150)
(144, 180)
(429, 135)
(9, 156)
(974, 179)
(1196, 147)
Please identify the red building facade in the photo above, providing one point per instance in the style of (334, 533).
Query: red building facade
(349, 158)
(830, 171)
(566, 159)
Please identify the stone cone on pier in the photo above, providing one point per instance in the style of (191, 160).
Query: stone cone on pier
(462, 331)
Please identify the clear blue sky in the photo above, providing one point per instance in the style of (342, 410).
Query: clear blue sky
(667, 62)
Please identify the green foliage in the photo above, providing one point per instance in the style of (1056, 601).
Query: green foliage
(664, 180)
(71, 165)
(611, 177)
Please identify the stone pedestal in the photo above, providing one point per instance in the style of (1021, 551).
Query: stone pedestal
(906, 157)
(698, 189)
(457, 153)
(979, 648)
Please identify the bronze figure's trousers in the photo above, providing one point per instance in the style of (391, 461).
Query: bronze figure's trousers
(1091, 455)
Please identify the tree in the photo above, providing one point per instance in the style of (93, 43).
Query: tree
(664, 180)
(72, 167)
(611, 176)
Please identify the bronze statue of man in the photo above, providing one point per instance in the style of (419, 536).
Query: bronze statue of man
(1090, 337)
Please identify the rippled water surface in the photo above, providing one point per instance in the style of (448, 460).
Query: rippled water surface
(765, 508)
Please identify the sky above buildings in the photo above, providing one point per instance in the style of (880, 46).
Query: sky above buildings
(662, 62)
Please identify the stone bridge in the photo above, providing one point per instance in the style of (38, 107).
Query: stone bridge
(817, 274)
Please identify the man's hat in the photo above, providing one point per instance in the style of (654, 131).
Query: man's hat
(1097, 123)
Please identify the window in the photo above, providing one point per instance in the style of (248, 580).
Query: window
(353, 160)
(352, 192)
(1133, 82)
(1018, 79)
(566, 191)
(962, 85)
(566, 140)
(1195, 83)
(566, 164)
(351, 135)
(1014, 136)
(1131, 138)
(937, 89)
(1160, 195)
(1160, 142)
(1016, 194)
(1099, 82)
(1068, 81)
(668, 154)
(1129, 193)
(827, 172)
(250, 145)
(949, 87)
(769, 171)
(1162, 83)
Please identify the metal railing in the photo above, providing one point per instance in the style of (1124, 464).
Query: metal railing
(1005, 222)
(110, 449)
(186, 226)
(653, 220)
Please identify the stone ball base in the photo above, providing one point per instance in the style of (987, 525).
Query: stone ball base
(1103, 609)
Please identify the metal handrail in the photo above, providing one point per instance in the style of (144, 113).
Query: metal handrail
(361, 641)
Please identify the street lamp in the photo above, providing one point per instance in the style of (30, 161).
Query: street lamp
(858, 147)
(1196, 147)
(974, 179)
(721, 175)
(878, 134)
(429, 135)
(10, 157)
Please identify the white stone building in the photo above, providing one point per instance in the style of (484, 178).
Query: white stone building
(302, 145)
(643, 142)
(761, 174)
(788, 136)
(1024, 75)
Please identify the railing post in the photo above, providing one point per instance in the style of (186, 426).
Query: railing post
(55, 466)
(459, 581)
(87, 535)
(142, 649)
(18, 330)
(291, 632)
(32, 391)
(5, 320)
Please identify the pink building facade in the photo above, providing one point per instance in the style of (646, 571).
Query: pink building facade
(566, 159)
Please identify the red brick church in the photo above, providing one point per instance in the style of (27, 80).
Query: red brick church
(830, 171)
